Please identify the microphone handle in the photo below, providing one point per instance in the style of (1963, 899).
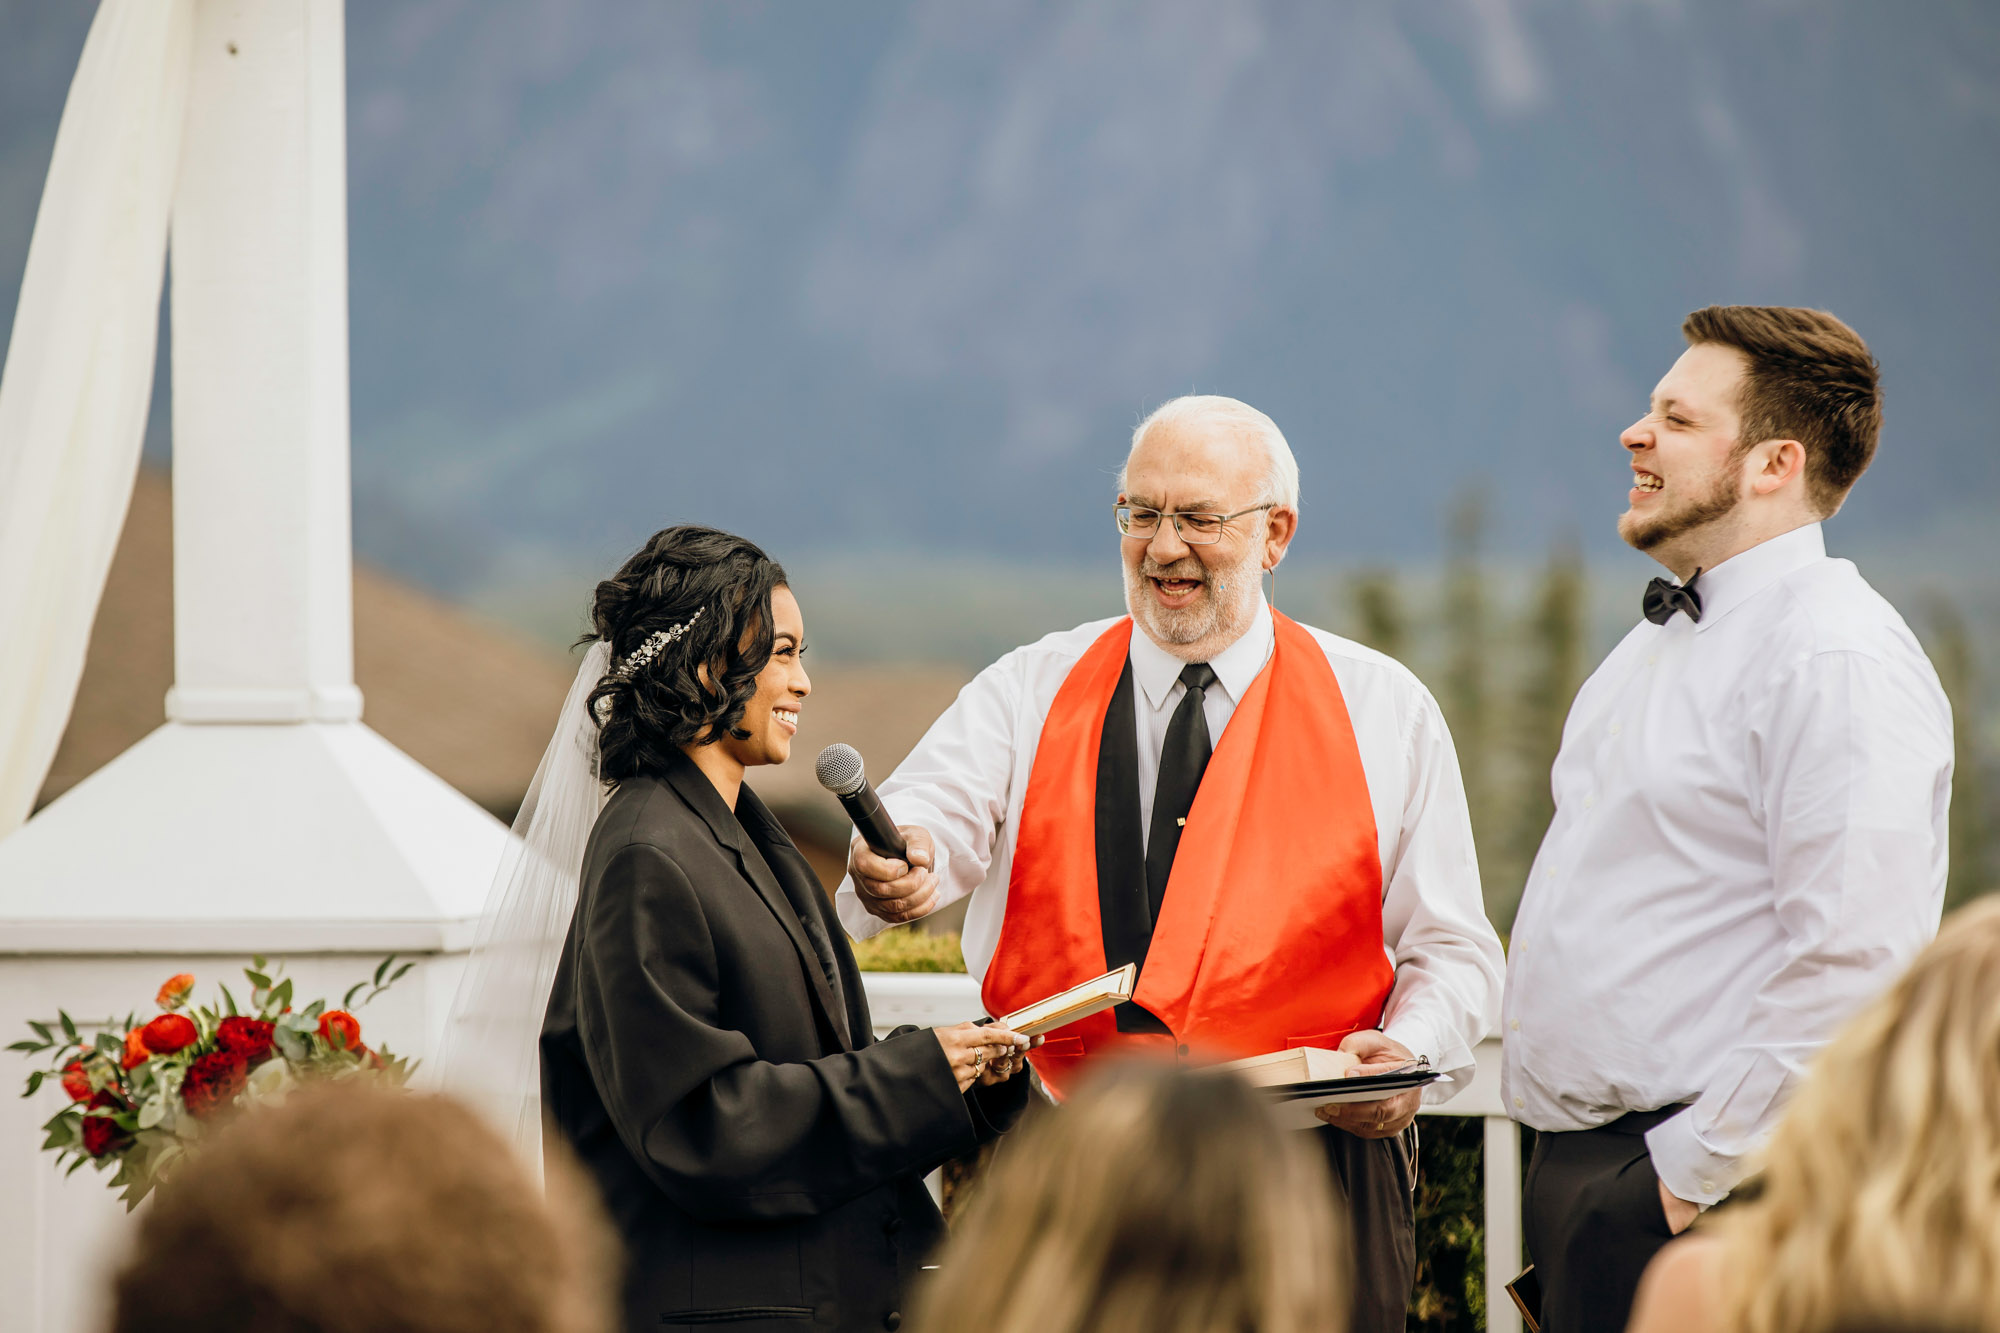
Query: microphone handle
(872, 822)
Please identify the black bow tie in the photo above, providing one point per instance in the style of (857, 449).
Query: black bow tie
(1664, 598)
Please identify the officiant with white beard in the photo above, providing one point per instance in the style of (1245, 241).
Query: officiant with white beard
(1266, 818)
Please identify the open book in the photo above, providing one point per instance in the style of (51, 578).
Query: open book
(1079, 1001)
(1306, 1077)
(1301, 1064)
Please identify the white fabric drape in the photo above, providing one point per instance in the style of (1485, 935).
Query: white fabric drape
(491, 1052)
(79, 369)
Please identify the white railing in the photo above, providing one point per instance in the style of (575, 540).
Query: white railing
(933, 999)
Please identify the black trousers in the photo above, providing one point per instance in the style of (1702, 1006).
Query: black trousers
(1379, 1177)
(1592, 1220)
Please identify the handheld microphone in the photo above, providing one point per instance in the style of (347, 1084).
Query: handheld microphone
(839, 770)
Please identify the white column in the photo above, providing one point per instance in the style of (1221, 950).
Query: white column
(1503, 1222)
(296, 831)
(262, 585)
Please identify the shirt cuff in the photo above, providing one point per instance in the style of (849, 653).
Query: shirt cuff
(854, 918)
(1689, 1168)
(1416, 1036)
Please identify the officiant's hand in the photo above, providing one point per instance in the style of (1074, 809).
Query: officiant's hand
(1374, 1120)
(983, 1053)
(896, 891)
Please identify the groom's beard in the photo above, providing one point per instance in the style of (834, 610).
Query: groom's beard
(1218, 615)
(1717, 501)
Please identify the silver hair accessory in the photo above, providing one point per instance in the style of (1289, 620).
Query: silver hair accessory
(641, 658)
(643, 655)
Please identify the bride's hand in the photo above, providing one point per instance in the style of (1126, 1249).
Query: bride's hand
(983, 1053)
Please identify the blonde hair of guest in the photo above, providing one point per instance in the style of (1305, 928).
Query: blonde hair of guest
(1881, 1185)
(1153, 1201)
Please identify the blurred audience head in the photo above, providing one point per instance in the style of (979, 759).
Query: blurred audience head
(1879, 1203)
(1154, 1201)
(356, 1208)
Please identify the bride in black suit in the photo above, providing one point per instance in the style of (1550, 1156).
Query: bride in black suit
(706, 1049)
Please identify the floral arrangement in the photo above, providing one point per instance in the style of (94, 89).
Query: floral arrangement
(140, 1101)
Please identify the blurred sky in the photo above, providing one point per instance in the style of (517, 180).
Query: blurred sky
(877, 279)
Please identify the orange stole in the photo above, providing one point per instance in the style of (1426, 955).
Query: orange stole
(1270, 935)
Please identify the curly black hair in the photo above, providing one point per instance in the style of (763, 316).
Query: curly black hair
(720, 587)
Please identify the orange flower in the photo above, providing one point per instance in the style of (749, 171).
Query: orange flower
(340, 1030)
(76, 1081)
(175, 992)
(168, 1033)
(135, 1049)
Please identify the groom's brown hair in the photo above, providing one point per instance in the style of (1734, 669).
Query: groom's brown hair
(1809, 378)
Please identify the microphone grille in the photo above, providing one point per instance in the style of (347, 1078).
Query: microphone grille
(839, 770)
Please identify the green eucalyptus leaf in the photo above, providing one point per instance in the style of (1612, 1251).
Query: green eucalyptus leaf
(291, 1044)
(228, 999)
(153, 1112)
(68, 1027)
(382, 968)
(314, 1010)
(42, 1030)
(347, 1000)
(258, 978)
(35, 1082)
(109, 1045)
(31, 1046)
(282, 996)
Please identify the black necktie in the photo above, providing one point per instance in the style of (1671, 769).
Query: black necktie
(1182, 760)
(1663, 599)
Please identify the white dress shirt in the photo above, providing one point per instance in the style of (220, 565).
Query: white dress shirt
(1748, 845)
(966, 779)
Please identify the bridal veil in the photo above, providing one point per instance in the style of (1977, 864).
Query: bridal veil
(490, 1055)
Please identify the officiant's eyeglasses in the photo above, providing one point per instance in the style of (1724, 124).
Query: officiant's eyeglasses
(1196, 529)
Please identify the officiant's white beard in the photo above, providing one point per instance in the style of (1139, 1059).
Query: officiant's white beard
(1218, 617)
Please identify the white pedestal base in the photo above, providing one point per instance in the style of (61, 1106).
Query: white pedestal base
(316, 843)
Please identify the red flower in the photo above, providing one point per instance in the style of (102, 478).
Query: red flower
(175, 992)
(168, 1033)
(249, 1039)
(212, 1083)
(135, 1050)
(340, 1030)
(100, 1134)
(76, 1081)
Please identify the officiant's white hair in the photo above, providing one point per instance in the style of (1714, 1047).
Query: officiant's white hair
(1281, 483)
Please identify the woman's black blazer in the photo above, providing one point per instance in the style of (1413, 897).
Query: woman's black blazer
(708, 1055)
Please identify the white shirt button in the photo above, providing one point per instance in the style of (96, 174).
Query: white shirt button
(1652, 658)
(1589, 801)
(1708, 1187)
(1520, 1102)
(1514, 1024)
(1617, 727)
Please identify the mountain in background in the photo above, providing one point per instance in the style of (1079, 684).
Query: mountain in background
(884, 281)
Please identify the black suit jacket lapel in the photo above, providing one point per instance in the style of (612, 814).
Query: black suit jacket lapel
(702, 797)
(801, 890)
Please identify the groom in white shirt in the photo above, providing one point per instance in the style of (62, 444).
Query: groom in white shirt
(1749, 837)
